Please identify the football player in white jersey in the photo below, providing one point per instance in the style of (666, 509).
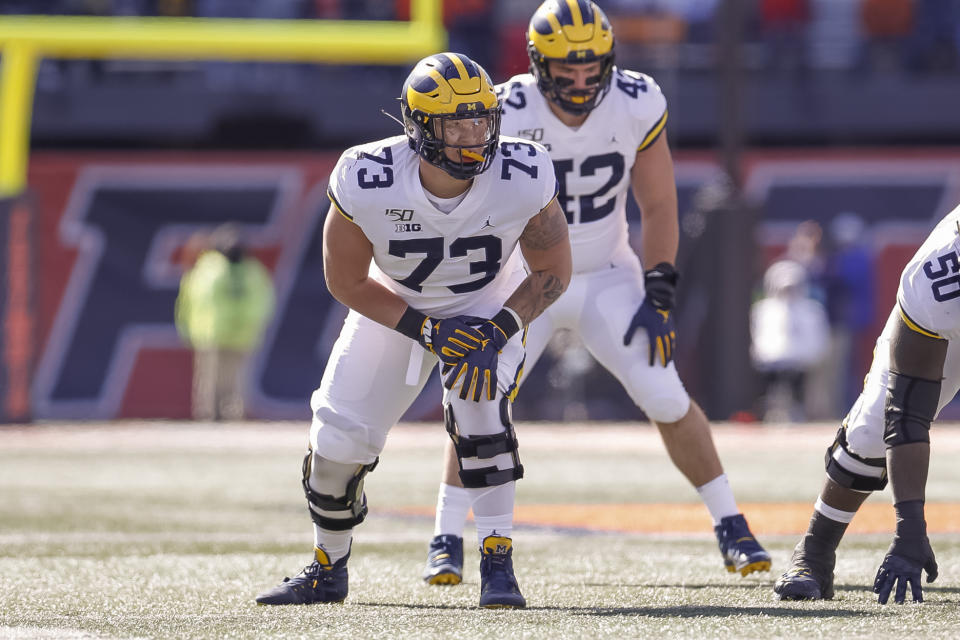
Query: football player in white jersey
(886, 434)
(419, 243)
(604, 129)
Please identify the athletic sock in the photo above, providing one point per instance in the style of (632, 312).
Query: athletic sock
(493, 510)
(827, 526)
(453, 505)
(335, 544)
(833, 514)
(718, 497)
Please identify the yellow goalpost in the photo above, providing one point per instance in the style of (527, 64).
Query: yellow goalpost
(26, 39)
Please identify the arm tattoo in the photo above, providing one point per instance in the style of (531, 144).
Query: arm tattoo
(535, 294)
(544, 230)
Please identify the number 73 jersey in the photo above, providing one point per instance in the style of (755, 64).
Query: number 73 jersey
(443, 264)
(929, 293)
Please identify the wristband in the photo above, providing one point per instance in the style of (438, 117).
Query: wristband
(508, 321)
(411, 324)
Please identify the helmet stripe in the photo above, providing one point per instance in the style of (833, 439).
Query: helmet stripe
(586, 11)
(462, 70)
(563, 12)
(472, 68)
(575, 12)
(427, 83)
(576, 15)
(541, 24)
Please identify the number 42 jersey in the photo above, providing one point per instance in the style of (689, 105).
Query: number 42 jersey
(443, 264)
(592, 161)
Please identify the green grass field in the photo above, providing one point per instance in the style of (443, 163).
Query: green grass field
(168, 530)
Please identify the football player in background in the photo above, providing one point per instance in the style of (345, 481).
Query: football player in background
(915, 372)
(604, 129)
(419, 243)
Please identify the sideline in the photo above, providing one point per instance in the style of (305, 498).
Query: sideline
(764, 518)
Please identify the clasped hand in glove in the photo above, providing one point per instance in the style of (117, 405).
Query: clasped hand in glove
(655, 314)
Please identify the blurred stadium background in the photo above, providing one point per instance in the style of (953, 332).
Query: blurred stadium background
(152, 123)
(785, 114)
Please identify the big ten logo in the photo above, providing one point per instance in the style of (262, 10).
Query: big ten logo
(110, 347)
(399, 215)
(407, 227)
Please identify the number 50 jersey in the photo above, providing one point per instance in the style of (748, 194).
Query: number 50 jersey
(443, 264)
(929, 292)
(593, 161)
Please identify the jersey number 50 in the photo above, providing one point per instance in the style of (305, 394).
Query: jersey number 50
(945, 287)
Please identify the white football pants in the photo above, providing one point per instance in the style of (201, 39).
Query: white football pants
(865, 420)
(598, 306)
(373, 375)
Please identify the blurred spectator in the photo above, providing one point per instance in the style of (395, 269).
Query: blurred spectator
(932, 47)
(262, 76)
(833, 35)
(850, 307)
(783, 26)
(700, 16)
(790, 335)
(472, 30)
(804, 247)
(197, 243)
(225, 301)
(886, 24)
(372, 9)
(326, 9)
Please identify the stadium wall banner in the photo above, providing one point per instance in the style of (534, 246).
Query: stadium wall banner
(110, 229)
(16, 309)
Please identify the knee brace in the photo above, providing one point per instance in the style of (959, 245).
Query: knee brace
(851, 471)
(327, 510)
(910, 406)
(484, 448)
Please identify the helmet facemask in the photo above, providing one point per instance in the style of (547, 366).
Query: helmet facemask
(462, 144)
(451, 114)
(570, 32)
(576, 102)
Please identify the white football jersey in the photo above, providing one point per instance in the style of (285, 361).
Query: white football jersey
(929, 293)
(443, 264)
(593, 161)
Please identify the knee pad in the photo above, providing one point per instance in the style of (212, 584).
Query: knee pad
(910, 406)
(851, 471)
(665, 409)
(334, 491)
(659, 392)
(485, 448)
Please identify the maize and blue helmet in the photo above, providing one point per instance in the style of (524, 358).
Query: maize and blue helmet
(445, 96)
(571, 32)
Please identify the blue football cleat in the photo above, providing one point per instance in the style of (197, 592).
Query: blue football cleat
(444, 560)
(320, 581)
(810, 576)
(498, 585)
(740, 550)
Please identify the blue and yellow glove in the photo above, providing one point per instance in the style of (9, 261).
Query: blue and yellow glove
(655, 314)
(477, 370)
(909, 554)
(449, 338)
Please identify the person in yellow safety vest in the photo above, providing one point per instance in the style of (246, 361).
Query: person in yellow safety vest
(224, 304)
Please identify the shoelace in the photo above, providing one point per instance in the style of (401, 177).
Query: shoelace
(313, 571)
(498, 568)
